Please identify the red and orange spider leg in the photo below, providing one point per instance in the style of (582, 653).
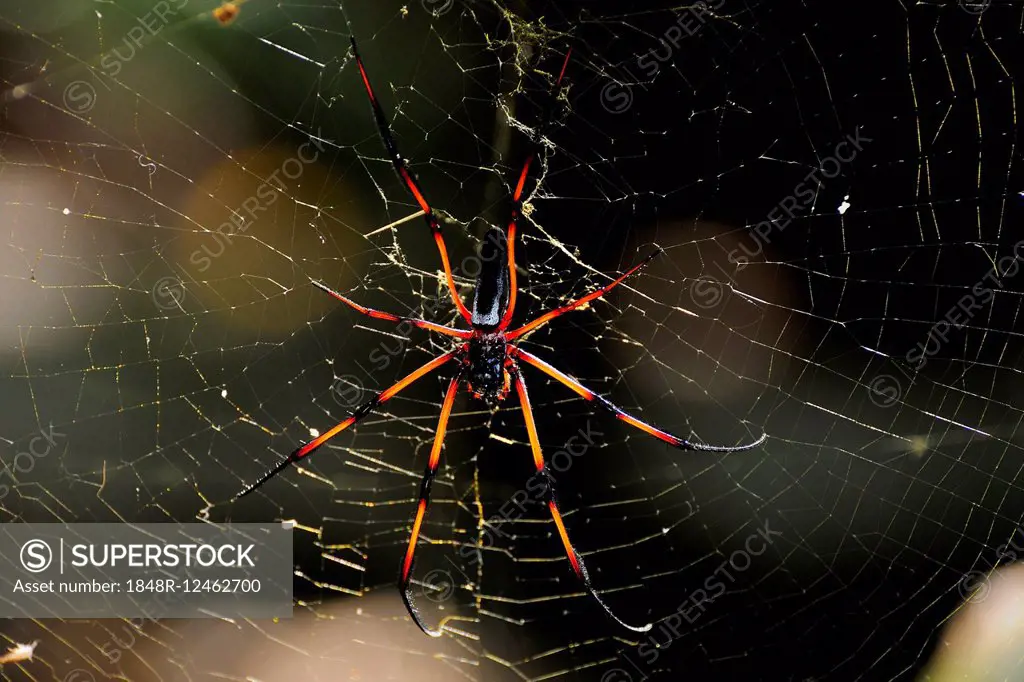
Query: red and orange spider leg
(359, 413)
(589, 395)
(380, 315)
(407, 176)
(517, 205)
(538, 460)
(548, 316)
(421, 509)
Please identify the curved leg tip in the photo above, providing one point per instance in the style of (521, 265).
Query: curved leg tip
(426, 629)
(759, 441)
(633, 628)
(611, 614)
(414, 613)
(704, 447)
(416, 618)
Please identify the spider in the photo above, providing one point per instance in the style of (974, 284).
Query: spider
(487, 356)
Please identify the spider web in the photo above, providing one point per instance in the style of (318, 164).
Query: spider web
(857, 303)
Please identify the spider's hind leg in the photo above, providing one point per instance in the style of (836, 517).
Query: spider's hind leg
(622, 415)
(549, 497)
(405, 575)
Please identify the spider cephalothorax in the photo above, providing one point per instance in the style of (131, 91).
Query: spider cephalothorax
(487, 358)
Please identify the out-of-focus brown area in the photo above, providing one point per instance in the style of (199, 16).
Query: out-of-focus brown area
(984, 640)
(357, 640)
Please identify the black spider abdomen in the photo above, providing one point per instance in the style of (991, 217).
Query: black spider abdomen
(490, 300)
(486, 371)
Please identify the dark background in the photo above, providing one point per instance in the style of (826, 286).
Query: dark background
(884, 504)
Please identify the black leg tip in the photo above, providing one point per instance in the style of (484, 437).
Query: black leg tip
(273, 471)
(414, 613)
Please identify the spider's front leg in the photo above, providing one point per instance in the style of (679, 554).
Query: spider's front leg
(410, 181)
(517, 204)
(391, 317)
(358, 415)
(549, 494)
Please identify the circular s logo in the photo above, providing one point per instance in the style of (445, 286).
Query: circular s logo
(36, 556)
(79, 97)
(440, 585)
(79, 675)
(616, 98)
